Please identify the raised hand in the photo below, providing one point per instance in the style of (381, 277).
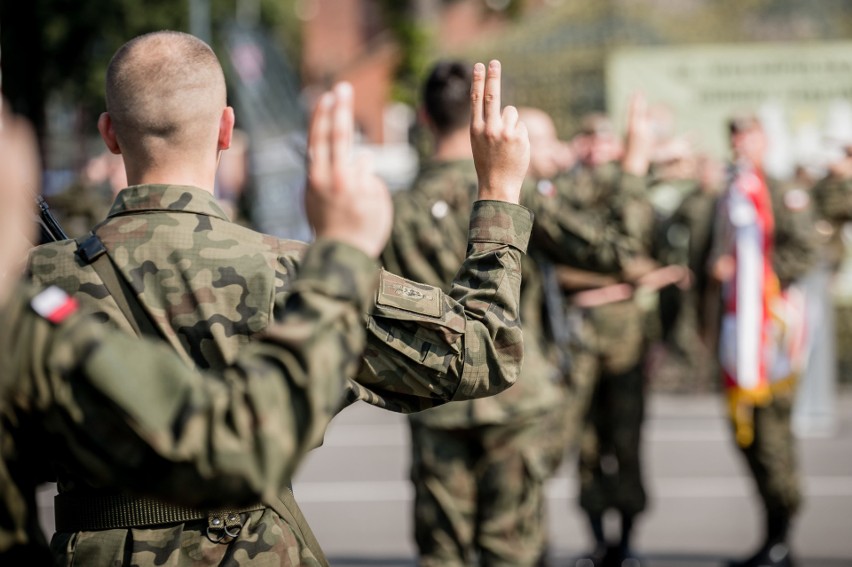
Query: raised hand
(501, 146)
(640, 137)
(344, 200)
(19, 181)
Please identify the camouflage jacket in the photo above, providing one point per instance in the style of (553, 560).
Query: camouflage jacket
(427, 243)
(227, 438)
(832, 199)
(617, 200)
(210, 285)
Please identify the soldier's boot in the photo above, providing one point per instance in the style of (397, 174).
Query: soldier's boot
(598, 556)
(775, 551)
(626, 557)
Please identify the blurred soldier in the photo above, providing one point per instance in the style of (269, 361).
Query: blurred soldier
(683, 192)
(86, 202)
(167, 262)
(685, 238)
(832, 199)
(762, 243)
(478, 467)
(119, 410)
(609, 355)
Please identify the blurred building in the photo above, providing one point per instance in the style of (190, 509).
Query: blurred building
(554, 51)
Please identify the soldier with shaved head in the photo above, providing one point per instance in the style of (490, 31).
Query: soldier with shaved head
(167, 262)
(118, 409)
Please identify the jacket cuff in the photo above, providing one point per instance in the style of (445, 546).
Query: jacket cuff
(500, 222)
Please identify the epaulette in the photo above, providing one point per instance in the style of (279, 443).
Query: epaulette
(54, 304)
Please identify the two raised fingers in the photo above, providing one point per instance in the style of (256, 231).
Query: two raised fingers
(330, 137)
(485, 110)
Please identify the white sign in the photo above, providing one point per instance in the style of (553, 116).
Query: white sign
(801, 91)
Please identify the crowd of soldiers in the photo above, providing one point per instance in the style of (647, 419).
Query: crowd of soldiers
(527, 284)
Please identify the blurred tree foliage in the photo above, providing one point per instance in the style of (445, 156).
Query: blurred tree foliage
(62, 47)
(410, 23)
(413, 39)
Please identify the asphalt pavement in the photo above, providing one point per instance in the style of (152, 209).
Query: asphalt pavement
(355, 491)
(356, 495)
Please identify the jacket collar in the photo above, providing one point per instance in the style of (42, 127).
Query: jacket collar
(171, 198)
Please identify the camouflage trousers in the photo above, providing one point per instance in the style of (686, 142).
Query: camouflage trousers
(771, 457)
(610, 364)
(265, 540)
(479, 491)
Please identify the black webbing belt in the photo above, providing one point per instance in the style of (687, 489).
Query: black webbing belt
(93, 252)
(88, 511)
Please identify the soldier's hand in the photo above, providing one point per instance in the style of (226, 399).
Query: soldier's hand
(19, 178)
(723, 268)
(640, 137)
(841, 169)
(637, 268)
(500, 143)
(344, 200)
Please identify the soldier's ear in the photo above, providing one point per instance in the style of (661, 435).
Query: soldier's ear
(226, 128)
(108, 133)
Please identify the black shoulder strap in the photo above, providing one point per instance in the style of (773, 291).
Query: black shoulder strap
(92, 251)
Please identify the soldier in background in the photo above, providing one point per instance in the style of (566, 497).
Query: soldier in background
(169, 263)
(479, 467)
(86, 202)
(685, 186)
(762, 243)
(832, 200)
(608, 357)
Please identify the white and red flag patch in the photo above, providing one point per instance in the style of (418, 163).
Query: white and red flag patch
(54, 304)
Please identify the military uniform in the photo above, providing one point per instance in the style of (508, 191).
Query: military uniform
(119, 410)
(832, 199)
(79, 207)
(608, 356)
(771, 456)
(209, 285)
(478, 467)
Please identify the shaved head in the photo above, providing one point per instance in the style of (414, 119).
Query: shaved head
(165, 93)
(544, 145)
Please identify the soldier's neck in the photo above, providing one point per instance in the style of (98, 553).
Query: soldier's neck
(453, 146)
(172, 176)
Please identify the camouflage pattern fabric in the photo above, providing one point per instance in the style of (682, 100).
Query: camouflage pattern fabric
(609, 351)
(479, 493)
(121, 411)
(79, 207)
(210, 285)
(479, 467)
(832, 200)
(795, 251)
(619, 199)
(427, 243)
(773, 462)
(611, 359)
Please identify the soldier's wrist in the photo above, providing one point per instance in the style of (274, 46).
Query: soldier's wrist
(501, 223)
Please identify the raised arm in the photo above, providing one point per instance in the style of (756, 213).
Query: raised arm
(426, 347)
(84, 390)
